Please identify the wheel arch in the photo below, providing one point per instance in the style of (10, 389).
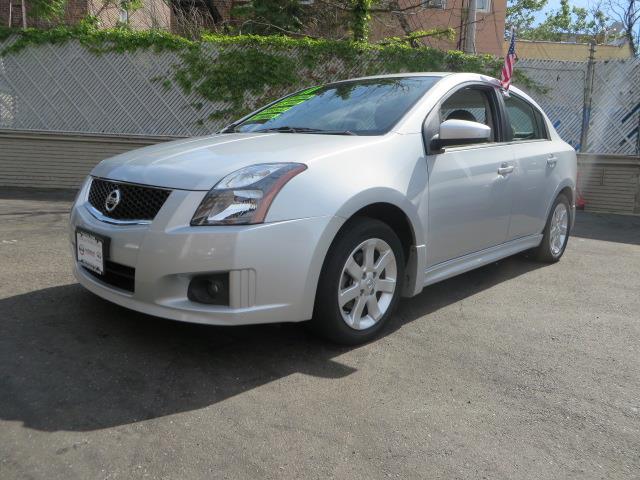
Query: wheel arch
(394, 209)
(566, 187)
(389, 200)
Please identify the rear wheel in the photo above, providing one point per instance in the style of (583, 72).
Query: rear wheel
(360, 283)
(556, 232)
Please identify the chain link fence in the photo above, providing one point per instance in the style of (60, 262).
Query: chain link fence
(615, 102)
(615, 115)
(65, 88)
(561, 93)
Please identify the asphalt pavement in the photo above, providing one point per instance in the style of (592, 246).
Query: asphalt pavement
(517, 370)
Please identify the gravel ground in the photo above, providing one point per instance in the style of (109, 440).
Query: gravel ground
(516, 371)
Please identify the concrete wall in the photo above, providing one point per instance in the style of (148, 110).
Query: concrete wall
(610, 183)
(571, 52)
(50, 160)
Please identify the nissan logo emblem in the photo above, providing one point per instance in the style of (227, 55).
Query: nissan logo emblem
(112, 201)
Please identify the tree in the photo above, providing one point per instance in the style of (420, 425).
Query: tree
(265, 17)
(521, 13)
(53, 10)
(566, 21)
(627, 12)
(46, 9)
(360, 16)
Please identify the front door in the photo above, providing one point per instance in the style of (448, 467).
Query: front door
(469, 190)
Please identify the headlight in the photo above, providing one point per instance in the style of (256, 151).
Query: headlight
(244, 196)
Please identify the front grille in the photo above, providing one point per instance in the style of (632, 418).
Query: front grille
(116, 275)
(136, 202)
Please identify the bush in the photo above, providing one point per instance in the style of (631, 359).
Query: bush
(245, 71)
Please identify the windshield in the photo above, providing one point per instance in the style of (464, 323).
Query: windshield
(360, 107)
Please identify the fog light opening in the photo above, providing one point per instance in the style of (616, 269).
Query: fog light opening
(211, 289)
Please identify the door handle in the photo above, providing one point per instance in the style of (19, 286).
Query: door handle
(505, 169)
(552, 160)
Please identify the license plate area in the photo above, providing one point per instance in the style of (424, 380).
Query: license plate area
(91, 250)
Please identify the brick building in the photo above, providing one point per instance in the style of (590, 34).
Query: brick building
(490, 20)
(153, 14)
(184, 15)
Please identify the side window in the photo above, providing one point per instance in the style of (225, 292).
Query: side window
(523, 121)
(541, 124)
(470, 104)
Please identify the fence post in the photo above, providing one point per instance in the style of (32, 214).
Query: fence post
(638, 139)
(588, 93)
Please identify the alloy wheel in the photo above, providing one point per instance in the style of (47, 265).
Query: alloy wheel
(558, 231)
(367, 284)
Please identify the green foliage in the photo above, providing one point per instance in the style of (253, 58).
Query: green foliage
(95, 40)
(233, 74)
(127, 5)
(558, 24)
(442, 33)
(521, 13)
(47, 9)
(360, 17)
(240, 73)
(266, 17)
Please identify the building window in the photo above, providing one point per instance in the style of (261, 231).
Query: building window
(434, 3)
(483, 6)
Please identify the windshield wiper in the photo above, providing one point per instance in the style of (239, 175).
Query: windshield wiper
(230, 128)
(287, 129)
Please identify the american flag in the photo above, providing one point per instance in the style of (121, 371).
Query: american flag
(509, 62)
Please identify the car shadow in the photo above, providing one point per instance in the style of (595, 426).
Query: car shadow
(608, 227)
(442, 294)
(71, 361)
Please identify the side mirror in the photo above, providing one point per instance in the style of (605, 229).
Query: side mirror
(460, 132)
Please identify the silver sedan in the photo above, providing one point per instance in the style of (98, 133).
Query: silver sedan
(328, 205)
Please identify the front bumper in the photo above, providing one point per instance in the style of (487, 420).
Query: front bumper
(273, 267)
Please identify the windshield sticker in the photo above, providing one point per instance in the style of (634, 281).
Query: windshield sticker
(279, 108)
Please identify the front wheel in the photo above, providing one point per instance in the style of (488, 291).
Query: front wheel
(556, 232)
(360, 283)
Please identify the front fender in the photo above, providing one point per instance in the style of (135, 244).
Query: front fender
(389, 169)
(384, 195)
(417, 261)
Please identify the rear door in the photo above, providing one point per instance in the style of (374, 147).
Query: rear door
(469, 200)
(535, 159)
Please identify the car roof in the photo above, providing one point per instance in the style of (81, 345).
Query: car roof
(447, 80)
(397, 75)
(454, 77)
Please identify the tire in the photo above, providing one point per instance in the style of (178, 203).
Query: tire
(369, 300)
(553, 244)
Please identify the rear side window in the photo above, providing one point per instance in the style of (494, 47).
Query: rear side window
(524, 121)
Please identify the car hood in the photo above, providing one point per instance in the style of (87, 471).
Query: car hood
(199, 163)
